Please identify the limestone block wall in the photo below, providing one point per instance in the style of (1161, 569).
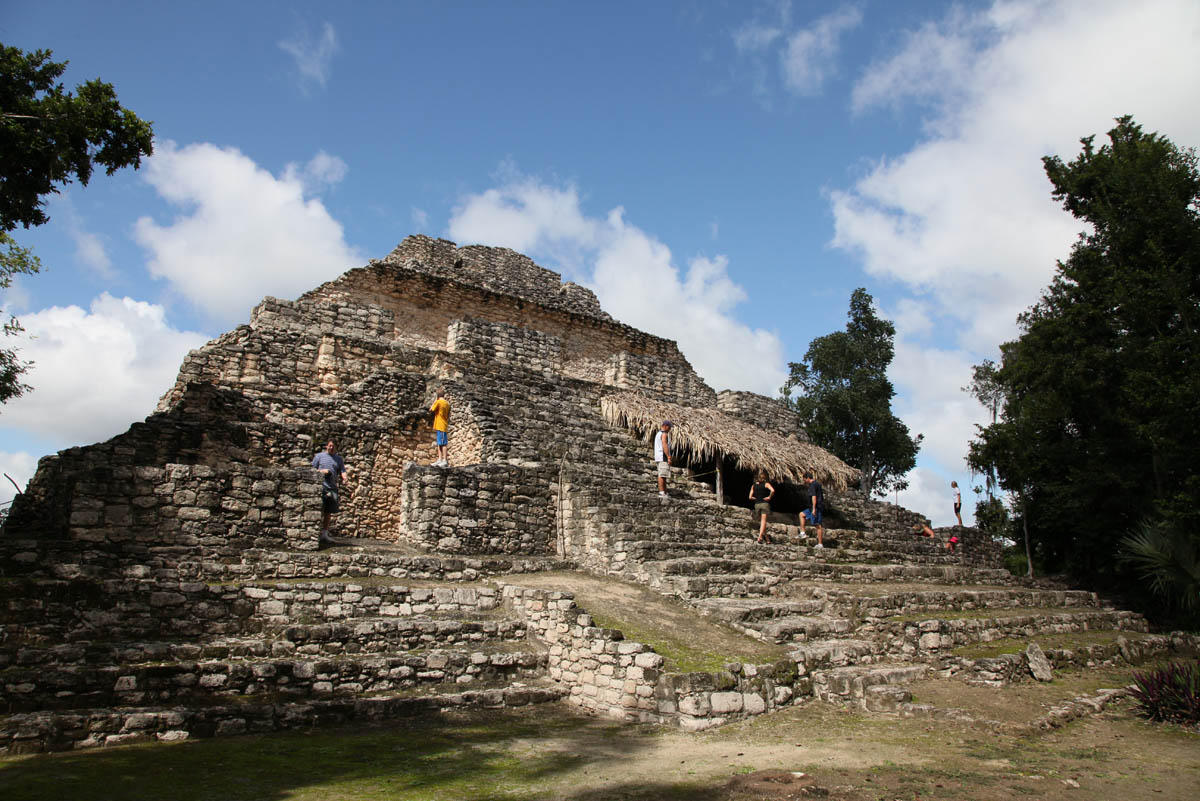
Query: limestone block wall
(424, 306)
(485, 508)
(291, 373)
(874, 515)
(497, 270)
(611, 676)
(95, 496)
(672, 378)
(505, 343)
(764, 412)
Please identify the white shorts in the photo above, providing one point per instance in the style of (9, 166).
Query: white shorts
(664, 469)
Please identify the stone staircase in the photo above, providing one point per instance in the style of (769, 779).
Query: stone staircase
(197, 644)
(870, 612)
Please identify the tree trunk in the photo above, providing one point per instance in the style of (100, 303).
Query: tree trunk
(1028, 553)
(864, 479)
(720, 481)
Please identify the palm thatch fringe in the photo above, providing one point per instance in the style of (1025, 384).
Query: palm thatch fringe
(709, 433)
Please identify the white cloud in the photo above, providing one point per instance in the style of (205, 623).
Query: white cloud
(633, 274)
(929, 381)
(321, 172)
(420, 219)
(753, 37)
(806, 57)
(811, 52)
(313, 56)
(929, 493)
(966, 215)
(95, 371)
(89, 249)
(20, 466)
(245, 233)
(934, 64)
(964, 220)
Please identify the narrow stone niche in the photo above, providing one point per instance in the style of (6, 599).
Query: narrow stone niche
(381, 490)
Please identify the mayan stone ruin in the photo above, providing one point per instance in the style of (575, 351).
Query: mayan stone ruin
(168, 584)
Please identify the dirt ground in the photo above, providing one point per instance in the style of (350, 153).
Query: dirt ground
(550, 752)
(821, 751)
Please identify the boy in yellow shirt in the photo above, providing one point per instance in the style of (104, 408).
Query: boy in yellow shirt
(441, 422)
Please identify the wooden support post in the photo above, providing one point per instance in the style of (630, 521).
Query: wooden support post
(720, 480)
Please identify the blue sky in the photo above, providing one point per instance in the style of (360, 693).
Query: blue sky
(723, 174)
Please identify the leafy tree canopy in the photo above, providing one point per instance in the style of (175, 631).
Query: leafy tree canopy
(1100, 409)
(48, 137)
(845, 398)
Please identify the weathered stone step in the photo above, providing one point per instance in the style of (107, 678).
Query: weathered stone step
(35, 732)
(724, 585)
(647, 551)
(749, 611)
(353, 558)
(938, 635)
(882, 606)
(867, 687)
(824, 654)
(798, 628)
(865, 573)
(698, 566)
(362, 558)
(359, 636)
(72, 687)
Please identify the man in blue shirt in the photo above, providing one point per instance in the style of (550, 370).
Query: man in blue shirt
(333, 468)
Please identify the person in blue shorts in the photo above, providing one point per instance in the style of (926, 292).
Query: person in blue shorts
(812, 515)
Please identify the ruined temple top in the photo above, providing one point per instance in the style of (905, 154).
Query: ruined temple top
(499, 270)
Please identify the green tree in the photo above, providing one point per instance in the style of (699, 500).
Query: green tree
(1100, 413)
(14, 260)
(845, 398)
(48, 137)
(986, 388)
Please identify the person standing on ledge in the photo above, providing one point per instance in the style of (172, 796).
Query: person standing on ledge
(333, 468)
(441, 425)
(957, 501)
(662, 456)
(816, 501)
(761, 493)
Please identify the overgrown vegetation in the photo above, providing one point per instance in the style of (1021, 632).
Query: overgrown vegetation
(1170, 694)
(1099, 398)
(1167, 558)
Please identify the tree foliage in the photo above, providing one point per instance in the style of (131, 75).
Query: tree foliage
(845, 398)
(1100, 409)
(14, 260)
(49, 137)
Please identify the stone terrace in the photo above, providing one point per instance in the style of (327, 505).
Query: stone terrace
(167, 584)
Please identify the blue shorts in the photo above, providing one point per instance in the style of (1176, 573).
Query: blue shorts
(440, 438)
(810, 518)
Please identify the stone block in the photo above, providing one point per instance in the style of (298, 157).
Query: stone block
(724, 703)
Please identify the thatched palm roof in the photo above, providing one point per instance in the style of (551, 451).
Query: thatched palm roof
(708, 433)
